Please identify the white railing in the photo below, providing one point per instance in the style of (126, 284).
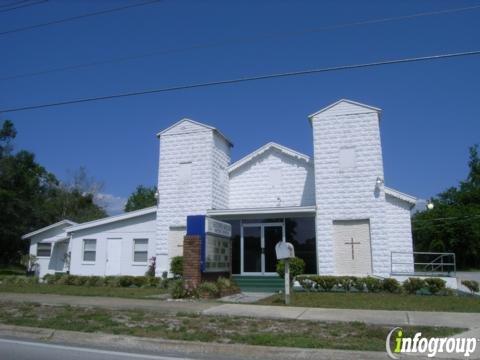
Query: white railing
(423, 263)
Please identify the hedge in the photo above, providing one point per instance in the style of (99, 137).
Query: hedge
(371, 284)
(110, 281)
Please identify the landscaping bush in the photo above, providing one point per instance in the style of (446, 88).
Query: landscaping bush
(412, 285)
(391, 285)
(177, 290)
(358, 283)
(306, 282)
(208, 290)
(435, 285)
(327, 283)
(226, 286)
(471, 285)
(95, 281)
(297, 267)
(176, 266)
(151, 267)
(346, 282)
(373, 284)
(18, 280)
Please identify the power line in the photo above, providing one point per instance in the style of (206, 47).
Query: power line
(14, 3)
(55, 22)
(255, 38)
(246, 79)
(25, 5)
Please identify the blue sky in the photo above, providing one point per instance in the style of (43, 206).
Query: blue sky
(431, 114)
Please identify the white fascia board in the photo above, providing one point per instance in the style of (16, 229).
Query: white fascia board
(111, 219)
(49, 227)
(263, 211)
(373, 108)
(266, 147)
(399, 195)
(199, 124)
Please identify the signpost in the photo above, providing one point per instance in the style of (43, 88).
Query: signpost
(285, 251)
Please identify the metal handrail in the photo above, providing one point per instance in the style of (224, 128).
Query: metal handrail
(434, 267)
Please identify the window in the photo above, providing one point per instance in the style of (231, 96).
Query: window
(89, 250)
(140, 250)
(44, 249)
(275, 178)
(347, 158)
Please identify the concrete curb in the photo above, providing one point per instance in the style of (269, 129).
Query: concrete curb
(179, 348)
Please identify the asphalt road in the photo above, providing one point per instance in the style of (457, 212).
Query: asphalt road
(11, 349)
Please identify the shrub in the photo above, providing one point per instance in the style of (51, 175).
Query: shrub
(412, 285)
(471, 285)
(208, 290)
(346, 282)
(358, 283)
(95, 281)
(151, 267)
(435, 285)
(306, 282)
(327, 283)
(391, 285)
(65, 280)
(79, 280)
(112, 281)
(226, 286)
(176, 266)
(126, 281)
(177, 289)
(373, 284)
(296, 265)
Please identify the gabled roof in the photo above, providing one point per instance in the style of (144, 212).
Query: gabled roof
(66, 222)
(369, 107)
(402, 196)
(111, 219)
(196, 123)
(263, 149)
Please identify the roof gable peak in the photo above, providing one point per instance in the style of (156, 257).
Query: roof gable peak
(345, 101)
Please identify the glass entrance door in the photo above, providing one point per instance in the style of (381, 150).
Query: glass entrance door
(258, 247)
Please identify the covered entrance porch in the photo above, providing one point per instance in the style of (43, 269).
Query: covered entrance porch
(255, 232)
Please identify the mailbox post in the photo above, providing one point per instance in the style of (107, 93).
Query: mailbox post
(285, 251)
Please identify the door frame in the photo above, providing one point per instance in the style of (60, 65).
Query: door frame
(262, 227)
(119, 242)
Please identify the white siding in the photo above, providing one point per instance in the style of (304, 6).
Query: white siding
(55, 262)
(209, 155)
(141, 227)
(349, 194)
(272, 179)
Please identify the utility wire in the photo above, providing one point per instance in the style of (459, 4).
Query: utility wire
(13, 3)
(55, 22)
(255, 38)
(25, 5)
(247, 79)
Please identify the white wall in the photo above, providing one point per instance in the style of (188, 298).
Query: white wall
(251, 184)
(54, 263)
(350, 193)
(399, 230)
(140, 227)
(209, 155)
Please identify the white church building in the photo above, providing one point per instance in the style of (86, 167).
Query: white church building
(334, 206)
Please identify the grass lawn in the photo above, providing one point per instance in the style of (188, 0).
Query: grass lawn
(82, 290)
(379, 301)
(293, 333)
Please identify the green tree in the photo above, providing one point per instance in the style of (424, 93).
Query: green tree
(141, 198)
(453, 225)
(31, 197)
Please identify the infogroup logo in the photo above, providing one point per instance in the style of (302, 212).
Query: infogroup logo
(430, 346)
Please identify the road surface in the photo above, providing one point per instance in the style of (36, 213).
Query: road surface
(26, 350)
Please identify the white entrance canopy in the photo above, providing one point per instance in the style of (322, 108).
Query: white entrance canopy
(290, 211)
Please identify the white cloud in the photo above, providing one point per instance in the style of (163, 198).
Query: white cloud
(112, 204)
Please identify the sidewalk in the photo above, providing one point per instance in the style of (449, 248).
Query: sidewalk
(379, 317)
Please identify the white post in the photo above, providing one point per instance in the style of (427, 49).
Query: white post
(287, 282)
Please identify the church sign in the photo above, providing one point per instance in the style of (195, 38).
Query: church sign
(215, 237)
